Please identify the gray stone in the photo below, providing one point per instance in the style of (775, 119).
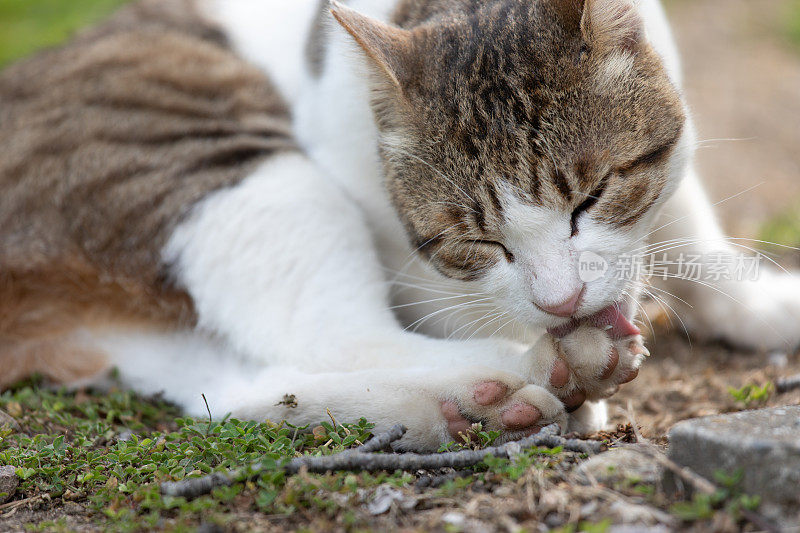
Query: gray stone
(764, 444)
(386, 496)
(619, 465)
(8, 482)
(9, 421)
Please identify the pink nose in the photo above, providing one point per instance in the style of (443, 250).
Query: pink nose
(566, 308)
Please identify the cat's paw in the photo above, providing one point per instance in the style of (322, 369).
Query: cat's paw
(586, 364)
(500, 402)
(597, 362)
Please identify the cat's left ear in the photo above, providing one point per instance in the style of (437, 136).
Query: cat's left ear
(612, 24)
(387, 46)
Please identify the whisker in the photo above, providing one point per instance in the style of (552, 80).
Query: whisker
(492, 334)
(741, 139)
(461, 313)
(712, 205)
(436, 300)
(720, 291)
(403, 286)
(664, 249)
(662, 303)
(495, 319)
(640, 307)
(484, 316)
(419, 322)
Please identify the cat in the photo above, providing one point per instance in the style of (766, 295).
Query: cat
(377, 208)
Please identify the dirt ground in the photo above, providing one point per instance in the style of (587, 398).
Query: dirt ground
(742, 81)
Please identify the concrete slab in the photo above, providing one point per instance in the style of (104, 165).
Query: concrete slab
(764, 444)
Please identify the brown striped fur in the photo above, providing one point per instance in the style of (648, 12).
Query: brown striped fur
(477, 96)
(107, 143)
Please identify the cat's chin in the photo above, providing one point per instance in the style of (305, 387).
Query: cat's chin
(611, 318)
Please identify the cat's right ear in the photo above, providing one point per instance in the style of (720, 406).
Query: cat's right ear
(612, 24)
(387, 46)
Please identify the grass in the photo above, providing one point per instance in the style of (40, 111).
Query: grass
(107, 453)
(29, 25)
(783, 228)
(793, 21)
(111, 451)
(751, 394)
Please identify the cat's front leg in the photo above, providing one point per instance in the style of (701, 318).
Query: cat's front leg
(435, 406)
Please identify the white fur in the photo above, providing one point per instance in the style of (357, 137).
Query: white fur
(280, 26)
(290, 271)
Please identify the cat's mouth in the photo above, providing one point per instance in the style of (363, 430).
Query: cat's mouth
(611, 318)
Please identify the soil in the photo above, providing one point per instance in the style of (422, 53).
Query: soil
(742, 81)
(685, 380)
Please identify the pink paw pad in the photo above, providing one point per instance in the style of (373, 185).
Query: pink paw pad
(574, 401)
(633, 374)
(456, 423)
(559, 376)
(490, 392)
(613, 361)
(521, 416)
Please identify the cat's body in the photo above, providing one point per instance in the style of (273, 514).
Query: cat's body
(209, 227)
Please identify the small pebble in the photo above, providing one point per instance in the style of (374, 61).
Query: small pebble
(454, 519)
(778, 359)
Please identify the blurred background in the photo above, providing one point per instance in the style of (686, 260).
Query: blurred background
(741, 61)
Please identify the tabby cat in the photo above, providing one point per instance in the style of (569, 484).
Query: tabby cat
(380, 208)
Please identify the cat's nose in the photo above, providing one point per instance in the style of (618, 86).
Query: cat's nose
(566, 308)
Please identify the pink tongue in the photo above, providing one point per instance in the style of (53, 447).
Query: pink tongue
(620, 328)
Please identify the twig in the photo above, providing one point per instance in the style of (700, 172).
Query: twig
(631, 414)
(363, 459)
(382, 441)
(16, 503)
(787, 384)
(197, 486)
(760, 522)
(686, 474)
(210, 418)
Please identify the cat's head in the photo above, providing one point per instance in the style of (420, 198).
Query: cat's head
(520, 137)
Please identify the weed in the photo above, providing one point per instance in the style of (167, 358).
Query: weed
(476, 439)
(751, 394)
(728, 498)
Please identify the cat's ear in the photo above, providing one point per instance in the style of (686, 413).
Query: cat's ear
(612, 24)
(387, 46)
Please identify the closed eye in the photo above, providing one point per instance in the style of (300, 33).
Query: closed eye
(509, 256)
(587, 204)
(657, 155)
